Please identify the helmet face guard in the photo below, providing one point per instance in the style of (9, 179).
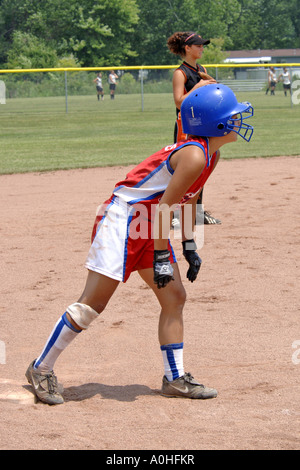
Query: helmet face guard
(213, 111)
(237, 122)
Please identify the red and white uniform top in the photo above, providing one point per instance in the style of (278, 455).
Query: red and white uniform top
(147, 181)
(122, 237)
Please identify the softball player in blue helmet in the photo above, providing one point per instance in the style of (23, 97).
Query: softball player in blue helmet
(214, 111)
(174, 175)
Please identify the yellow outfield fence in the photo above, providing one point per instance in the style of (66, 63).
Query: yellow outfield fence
(146, 67)
(240, 77)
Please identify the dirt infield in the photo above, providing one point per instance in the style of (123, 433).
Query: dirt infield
(242, 333)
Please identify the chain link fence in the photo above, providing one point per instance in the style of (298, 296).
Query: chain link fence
(141, 80)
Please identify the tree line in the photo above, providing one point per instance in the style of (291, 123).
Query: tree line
(52, 33)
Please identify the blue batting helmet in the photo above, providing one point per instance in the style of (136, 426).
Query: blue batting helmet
(213, 111)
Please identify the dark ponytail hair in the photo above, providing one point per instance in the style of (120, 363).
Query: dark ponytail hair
(176, 42)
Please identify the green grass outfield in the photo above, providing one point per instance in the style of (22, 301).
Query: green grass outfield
(37, 134)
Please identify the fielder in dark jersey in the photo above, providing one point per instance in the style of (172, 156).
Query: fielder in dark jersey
(189, 76)
(192, 77)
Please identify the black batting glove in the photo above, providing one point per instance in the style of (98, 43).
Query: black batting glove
(192, 257)
(163, 271)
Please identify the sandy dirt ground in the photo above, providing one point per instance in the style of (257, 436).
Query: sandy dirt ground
(242, 333)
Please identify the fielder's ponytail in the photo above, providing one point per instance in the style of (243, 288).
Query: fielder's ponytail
(176, 42)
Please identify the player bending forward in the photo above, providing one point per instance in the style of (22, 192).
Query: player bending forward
(212, 117)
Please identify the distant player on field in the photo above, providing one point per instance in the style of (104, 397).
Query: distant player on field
(272, 81)
(286, 79)
(99, 86)
(112, 80)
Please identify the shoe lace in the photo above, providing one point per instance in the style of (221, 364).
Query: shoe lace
(51, 383)
(189, 378)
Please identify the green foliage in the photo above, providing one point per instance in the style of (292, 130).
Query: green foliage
(29, 52)
(214, 54)
(103, 30)
(128, 84)
(135, 32)
(159, 20)
(96, 31)
(266, 24)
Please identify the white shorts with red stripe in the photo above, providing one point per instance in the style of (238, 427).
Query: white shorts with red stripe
(123, 242)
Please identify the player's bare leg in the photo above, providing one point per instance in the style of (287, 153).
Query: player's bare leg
(172, 300)
(40, 374)
(97, 292)
(176, 383)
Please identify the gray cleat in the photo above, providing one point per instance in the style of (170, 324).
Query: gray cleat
(44, 386)
(187, 387)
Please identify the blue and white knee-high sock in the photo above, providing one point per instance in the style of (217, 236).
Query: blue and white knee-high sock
(173, 360)
(61, 336)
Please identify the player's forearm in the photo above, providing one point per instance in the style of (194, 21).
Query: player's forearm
(161, 230)
(188, 211)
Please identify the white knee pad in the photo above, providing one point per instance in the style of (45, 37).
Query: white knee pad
(82, 314)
